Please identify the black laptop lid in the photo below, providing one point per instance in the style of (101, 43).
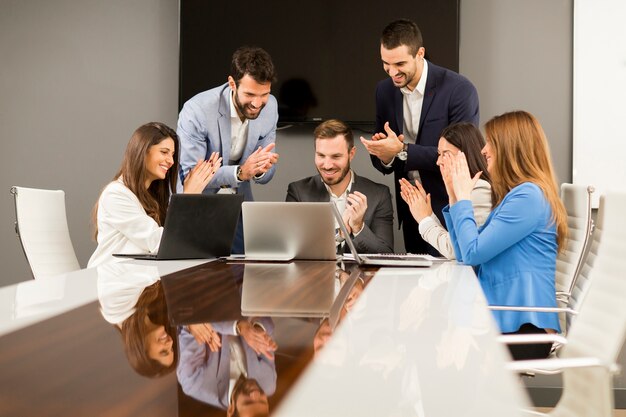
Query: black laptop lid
(200, 226)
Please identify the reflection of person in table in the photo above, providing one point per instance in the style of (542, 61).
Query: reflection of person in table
(325, 329)
(213, 357)
(148, 338)
(248, 399)
(132, 299)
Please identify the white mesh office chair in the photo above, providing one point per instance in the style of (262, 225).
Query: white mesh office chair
(41, 225)
(571, 268)
(569, 263)
(597, 335)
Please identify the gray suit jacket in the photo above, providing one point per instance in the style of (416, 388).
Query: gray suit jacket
(377, 234)
(204, 127)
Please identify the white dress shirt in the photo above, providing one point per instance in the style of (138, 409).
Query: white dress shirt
(412, 102)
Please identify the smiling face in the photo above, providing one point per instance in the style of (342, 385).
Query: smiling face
(404, 69)
(489, 156)
(250, 400)
(250, 96)
(332, 160)
(160, 346)
(159, 160)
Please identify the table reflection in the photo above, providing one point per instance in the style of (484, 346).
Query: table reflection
(193, 322)
(237, 372)
(240, 334)
(132, 299)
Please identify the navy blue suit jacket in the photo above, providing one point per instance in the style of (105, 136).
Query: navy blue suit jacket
(448, 98)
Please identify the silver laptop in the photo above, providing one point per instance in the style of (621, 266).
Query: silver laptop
(382, 259)
(295, 289)
(282, 231)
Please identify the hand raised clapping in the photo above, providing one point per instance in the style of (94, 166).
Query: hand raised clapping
(416, 198)
(257, 338)
(384, 146)
(259, 162)
(356, 205)
(204, 333)
(199, 176)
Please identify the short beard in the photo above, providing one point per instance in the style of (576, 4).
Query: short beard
(242, 109)
(407, 80)
(341, 177)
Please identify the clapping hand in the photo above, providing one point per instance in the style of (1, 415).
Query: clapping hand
(259, 162)
(204, 333)
(199, 176)
(462, 181)
(356, 205)
(416, 198)
(257, 338)
(384, 146)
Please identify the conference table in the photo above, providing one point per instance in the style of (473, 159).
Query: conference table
(351, 340)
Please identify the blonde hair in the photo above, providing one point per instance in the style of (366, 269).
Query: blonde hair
(522, 155)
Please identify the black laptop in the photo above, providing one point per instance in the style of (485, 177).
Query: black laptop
(197, 226)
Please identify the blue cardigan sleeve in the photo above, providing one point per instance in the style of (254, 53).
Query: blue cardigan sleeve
(452, 232)
(514, 219)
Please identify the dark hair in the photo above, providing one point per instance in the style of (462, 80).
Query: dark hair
(252, 61)
(333, 127)
(133, 171)
(402, 32)
(151, 304)
(470, 141)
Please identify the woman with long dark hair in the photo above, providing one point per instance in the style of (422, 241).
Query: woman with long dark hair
(131, 210)
(458, 137)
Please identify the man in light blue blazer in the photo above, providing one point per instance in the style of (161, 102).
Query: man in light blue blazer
(237, 120)
(204, 373)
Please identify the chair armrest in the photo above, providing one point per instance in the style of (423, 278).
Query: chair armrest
(563, 296)
(559, 364)
(537, 309)
(524, 339)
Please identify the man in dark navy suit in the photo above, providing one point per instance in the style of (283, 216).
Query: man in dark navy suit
(413, 106)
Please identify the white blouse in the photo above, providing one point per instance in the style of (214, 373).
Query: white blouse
(123, 225)
(437, 236)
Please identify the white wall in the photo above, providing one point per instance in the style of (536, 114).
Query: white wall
(76, 78)
(599, 87)
(518, 53)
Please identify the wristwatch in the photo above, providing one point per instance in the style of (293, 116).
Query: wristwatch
(402, 155)
(239, 173)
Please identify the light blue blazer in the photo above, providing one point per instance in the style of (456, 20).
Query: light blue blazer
(204, 127)
(514, 253)
(205, 375)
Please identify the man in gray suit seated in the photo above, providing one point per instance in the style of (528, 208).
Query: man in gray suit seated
(366, 205)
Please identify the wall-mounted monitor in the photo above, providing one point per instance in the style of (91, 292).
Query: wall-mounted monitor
(327, 53)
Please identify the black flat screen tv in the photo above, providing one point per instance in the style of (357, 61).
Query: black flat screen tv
(327, 53)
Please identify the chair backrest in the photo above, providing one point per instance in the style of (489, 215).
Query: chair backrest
(569, 263)
(577, 202)
(41, 225)
(600, 327)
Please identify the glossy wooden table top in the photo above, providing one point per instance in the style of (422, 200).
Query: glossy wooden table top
(394, 342)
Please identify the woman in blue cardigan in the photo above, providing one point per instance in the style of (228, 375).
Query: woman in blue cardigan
(515, 251)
